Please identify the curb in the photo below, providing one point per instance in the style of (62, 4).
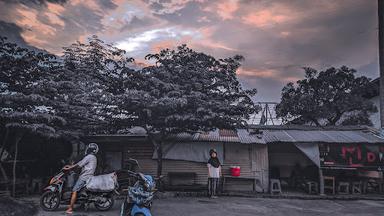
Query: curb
(172, 194)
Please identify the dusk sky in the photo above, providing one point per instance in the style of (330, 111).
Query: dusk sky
(276, 37)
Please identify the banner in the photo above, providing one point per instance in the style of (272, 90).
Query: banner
(367, 156)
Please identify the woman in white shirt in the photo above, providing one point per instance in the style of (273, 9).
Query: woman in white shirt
(214, 173)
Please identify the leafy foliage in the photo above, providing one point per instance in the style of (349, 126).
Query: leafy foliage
(186, 91)
(92, 89)
(22, 73)
(331, 97)
(95, 71)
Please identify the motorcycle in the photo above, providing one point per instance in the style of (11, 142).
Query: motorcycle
(57, 193)
(138, 201)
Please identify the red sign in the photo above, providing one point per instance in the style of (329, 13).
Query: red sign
(369, 156)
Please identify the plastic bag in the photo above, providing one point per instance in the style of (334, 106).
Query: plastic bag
(102, 183)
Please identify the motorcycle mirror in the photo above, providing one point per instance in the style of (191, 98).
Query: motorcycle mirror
(134, 161)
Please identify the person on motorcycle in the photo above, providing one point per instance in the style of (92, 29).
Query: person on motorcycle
(88, 166)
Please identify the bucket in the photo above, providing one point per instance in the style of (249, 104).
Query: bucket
(235, 171)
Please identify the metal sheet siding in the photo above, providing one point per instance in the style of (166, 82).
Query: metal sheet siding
(260, 165)
(327, 136)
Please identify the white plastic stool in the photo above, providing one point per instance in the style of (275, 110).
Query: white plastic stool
(275, 186)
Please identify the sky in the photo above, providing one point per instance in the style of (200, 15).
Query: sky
(276, 37)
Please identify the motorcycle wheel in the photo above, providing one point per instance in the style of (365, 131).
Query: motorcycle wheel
(105, 206)
(50, 201)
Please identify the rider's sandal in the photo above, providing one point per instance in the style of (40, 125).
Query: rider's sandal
(69, 211)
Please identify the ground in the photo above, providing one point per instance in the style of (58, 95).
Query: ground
(198, 206)
(13, 207)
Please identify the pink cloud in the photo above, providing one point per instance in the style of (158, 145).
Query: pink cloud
(266, 73)
(264, 18)
(226, 9)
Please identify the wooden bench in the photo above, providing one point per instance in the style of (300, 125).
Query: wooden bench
(188, 176)
(255, 181)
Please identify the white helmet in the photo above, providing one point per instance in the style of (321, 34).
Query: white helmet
(92, 148)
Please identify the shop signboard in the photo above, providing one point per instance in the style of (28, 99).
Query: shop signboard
(367, 156)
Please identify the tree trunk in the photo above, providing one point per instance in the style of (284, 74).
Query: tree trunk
(159, 150)
(1, 154)
(18, 138)
(4, 142)
(3, 173)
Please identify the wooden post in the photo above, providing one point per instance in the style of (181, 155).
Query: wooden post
(381, 59)
(321, 181)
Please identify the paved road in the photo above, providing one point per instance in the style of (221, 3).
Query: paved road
(247, 207)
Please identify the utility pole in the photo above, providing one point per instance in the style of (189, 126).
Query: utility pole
(381, 59)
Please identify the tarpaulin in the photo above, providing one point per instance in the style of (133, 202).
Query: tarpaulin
(311, 150)
(190, 151)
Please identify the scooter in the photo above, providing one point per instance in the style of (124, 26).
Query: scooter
(138, 201)
(57, 193)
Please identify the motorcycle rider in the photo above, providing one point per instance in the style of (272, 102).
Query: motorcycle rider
(88, 166)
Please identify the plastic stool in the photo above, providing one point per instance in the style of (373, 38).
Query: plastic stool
(275, 186)
(343, 188)
(357, 187)
(313, 187)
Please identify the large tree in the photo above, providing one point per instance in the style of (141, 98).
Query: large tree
(185, 91)
(60, 97)
(335, 96)
(23, 109)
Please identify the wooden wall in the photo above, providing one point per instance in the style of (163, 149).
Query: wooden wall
(253, 160)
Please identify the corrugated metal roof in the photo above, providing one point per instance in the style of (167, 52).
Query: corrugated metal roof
(327, 136)
(245, 137)
(236, 136)
(272, 134)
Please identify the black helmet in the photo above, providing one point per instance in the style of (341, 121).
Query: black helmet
(92, 148)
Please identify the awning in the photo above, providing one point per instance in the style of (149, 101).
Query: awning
(311, 150)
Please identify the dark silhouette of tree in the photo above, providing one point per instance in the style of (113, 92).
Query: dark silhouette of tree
(68, 96)
(334, 96)
(22, 108)
(97, 70)
(185, 91)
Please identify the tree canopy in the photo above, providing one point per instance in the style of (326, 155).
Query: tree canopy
(97, 71)
(23, 75)
(335, 96)
(186, 91)
(92, 89)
